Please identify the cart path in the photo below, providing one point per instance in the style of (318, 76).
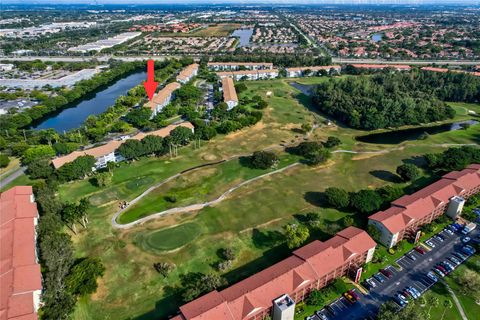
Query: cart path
(193, 207)
(198, 206)
(457, 302)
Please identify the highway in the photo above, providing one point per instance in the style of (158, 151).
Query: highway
(163, 57)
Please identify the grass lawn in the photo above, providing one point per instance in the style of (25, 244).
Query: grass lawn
(219, 30)
(12, 166)
(250, 220)
(169, 238)
(205, 184)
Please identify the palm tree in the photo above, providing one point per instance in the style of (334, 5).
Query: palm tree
(447, 304)
(433, 302)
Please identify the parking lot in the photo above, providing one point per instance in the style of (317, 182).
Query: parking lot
(411, 273)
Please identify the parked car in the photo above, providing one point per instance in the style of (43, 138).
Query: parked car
(367, 285)
(420, 250)
(331, 310)
(448, 263)
(442, 268)
(406, 293)
(379, 277)
(430, 243)
(466, 239)
(438, 238)
(386, 273)
(354, 294)
(372, 282)
(460, 256)
(399, 301)
(449, 231)
(321, 315)
(439, 272)
(454, 260)
(411, 256)
(432, 276)
(349, 297)
(403, 297)
(413, 292)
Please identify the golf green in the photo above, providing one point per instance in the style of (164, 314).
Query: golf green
(171, 238)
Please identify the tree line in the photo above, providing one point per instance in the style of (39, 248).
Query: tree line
(65, 278)
(394, 99)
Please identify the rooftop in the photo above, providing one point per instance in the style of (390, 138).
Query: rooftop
(20, 273)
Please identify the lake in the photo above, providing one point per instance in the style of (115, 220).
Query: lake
(398, 136)
(93, 104)
(244, 36)
(377, 37)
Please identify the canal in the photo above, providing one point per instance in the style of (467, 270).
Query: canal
(93, 104)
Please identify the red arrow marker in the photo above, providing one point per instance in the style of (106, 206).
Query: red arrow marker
(150, 85)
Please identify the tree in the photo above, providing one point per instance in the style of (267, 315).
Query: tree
(374, 232)
(77, 169)
(82, 279)
(469, 283)
(318, 157)
(164, 268)
(337, 198)
(103, 179)
(40, 168)
(240, 87)
(227, 254)
(153, 144)
(332, 142)
(390, 193)
(365, 201)
(306, 127)
(131, 149)
(4, 161)
(263, 159)
(408, 171)
(296, 235)
(38, 152)
(447, 304)
(195, 284)
(181, 136)
(347, 221)
(139, 117)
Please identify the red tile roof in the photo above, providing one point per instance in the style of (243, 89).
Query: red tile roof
(256, 293)
(20, 273)
(411, 208)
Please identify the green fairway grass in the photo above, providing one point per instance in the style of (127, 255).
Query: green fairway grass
(170, 238)
(249, 220)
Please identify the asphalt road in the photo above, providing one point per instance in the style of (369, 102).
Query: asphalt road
(104, 58)
(17, 173)
(413, 273)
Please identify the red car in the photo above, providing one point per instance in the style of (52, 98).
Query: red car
(420, 250)
(354, 294)
(386, 273)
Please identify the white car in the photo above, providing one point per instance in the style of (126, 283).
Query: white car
(466, 239)
(430, 243)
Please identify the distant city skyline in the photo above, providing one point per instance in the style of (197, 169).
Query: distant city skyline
(240, 2)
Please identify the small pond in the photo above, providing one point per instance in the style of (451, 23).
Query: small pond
(398, 136)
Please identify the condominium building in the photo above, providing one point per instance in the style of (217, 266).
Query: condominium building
(233, 66)
(163, 98)
(398, 67)
(275, 290)
(188, 73)
(229, 93)
(311, 71)
(410, 212)
(249, 74)
(20, 274)
(108, 152)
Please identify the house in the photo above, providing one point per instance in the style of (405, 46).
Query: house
(20, 274)
(219, 66)
(300, 71)
(278, 288)
(6, 66)
(410, 212)
(397, 67)
(188, 73)
(163, 98)
(229, 93)
(107, 152)
(267, 74)
(444, 70)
